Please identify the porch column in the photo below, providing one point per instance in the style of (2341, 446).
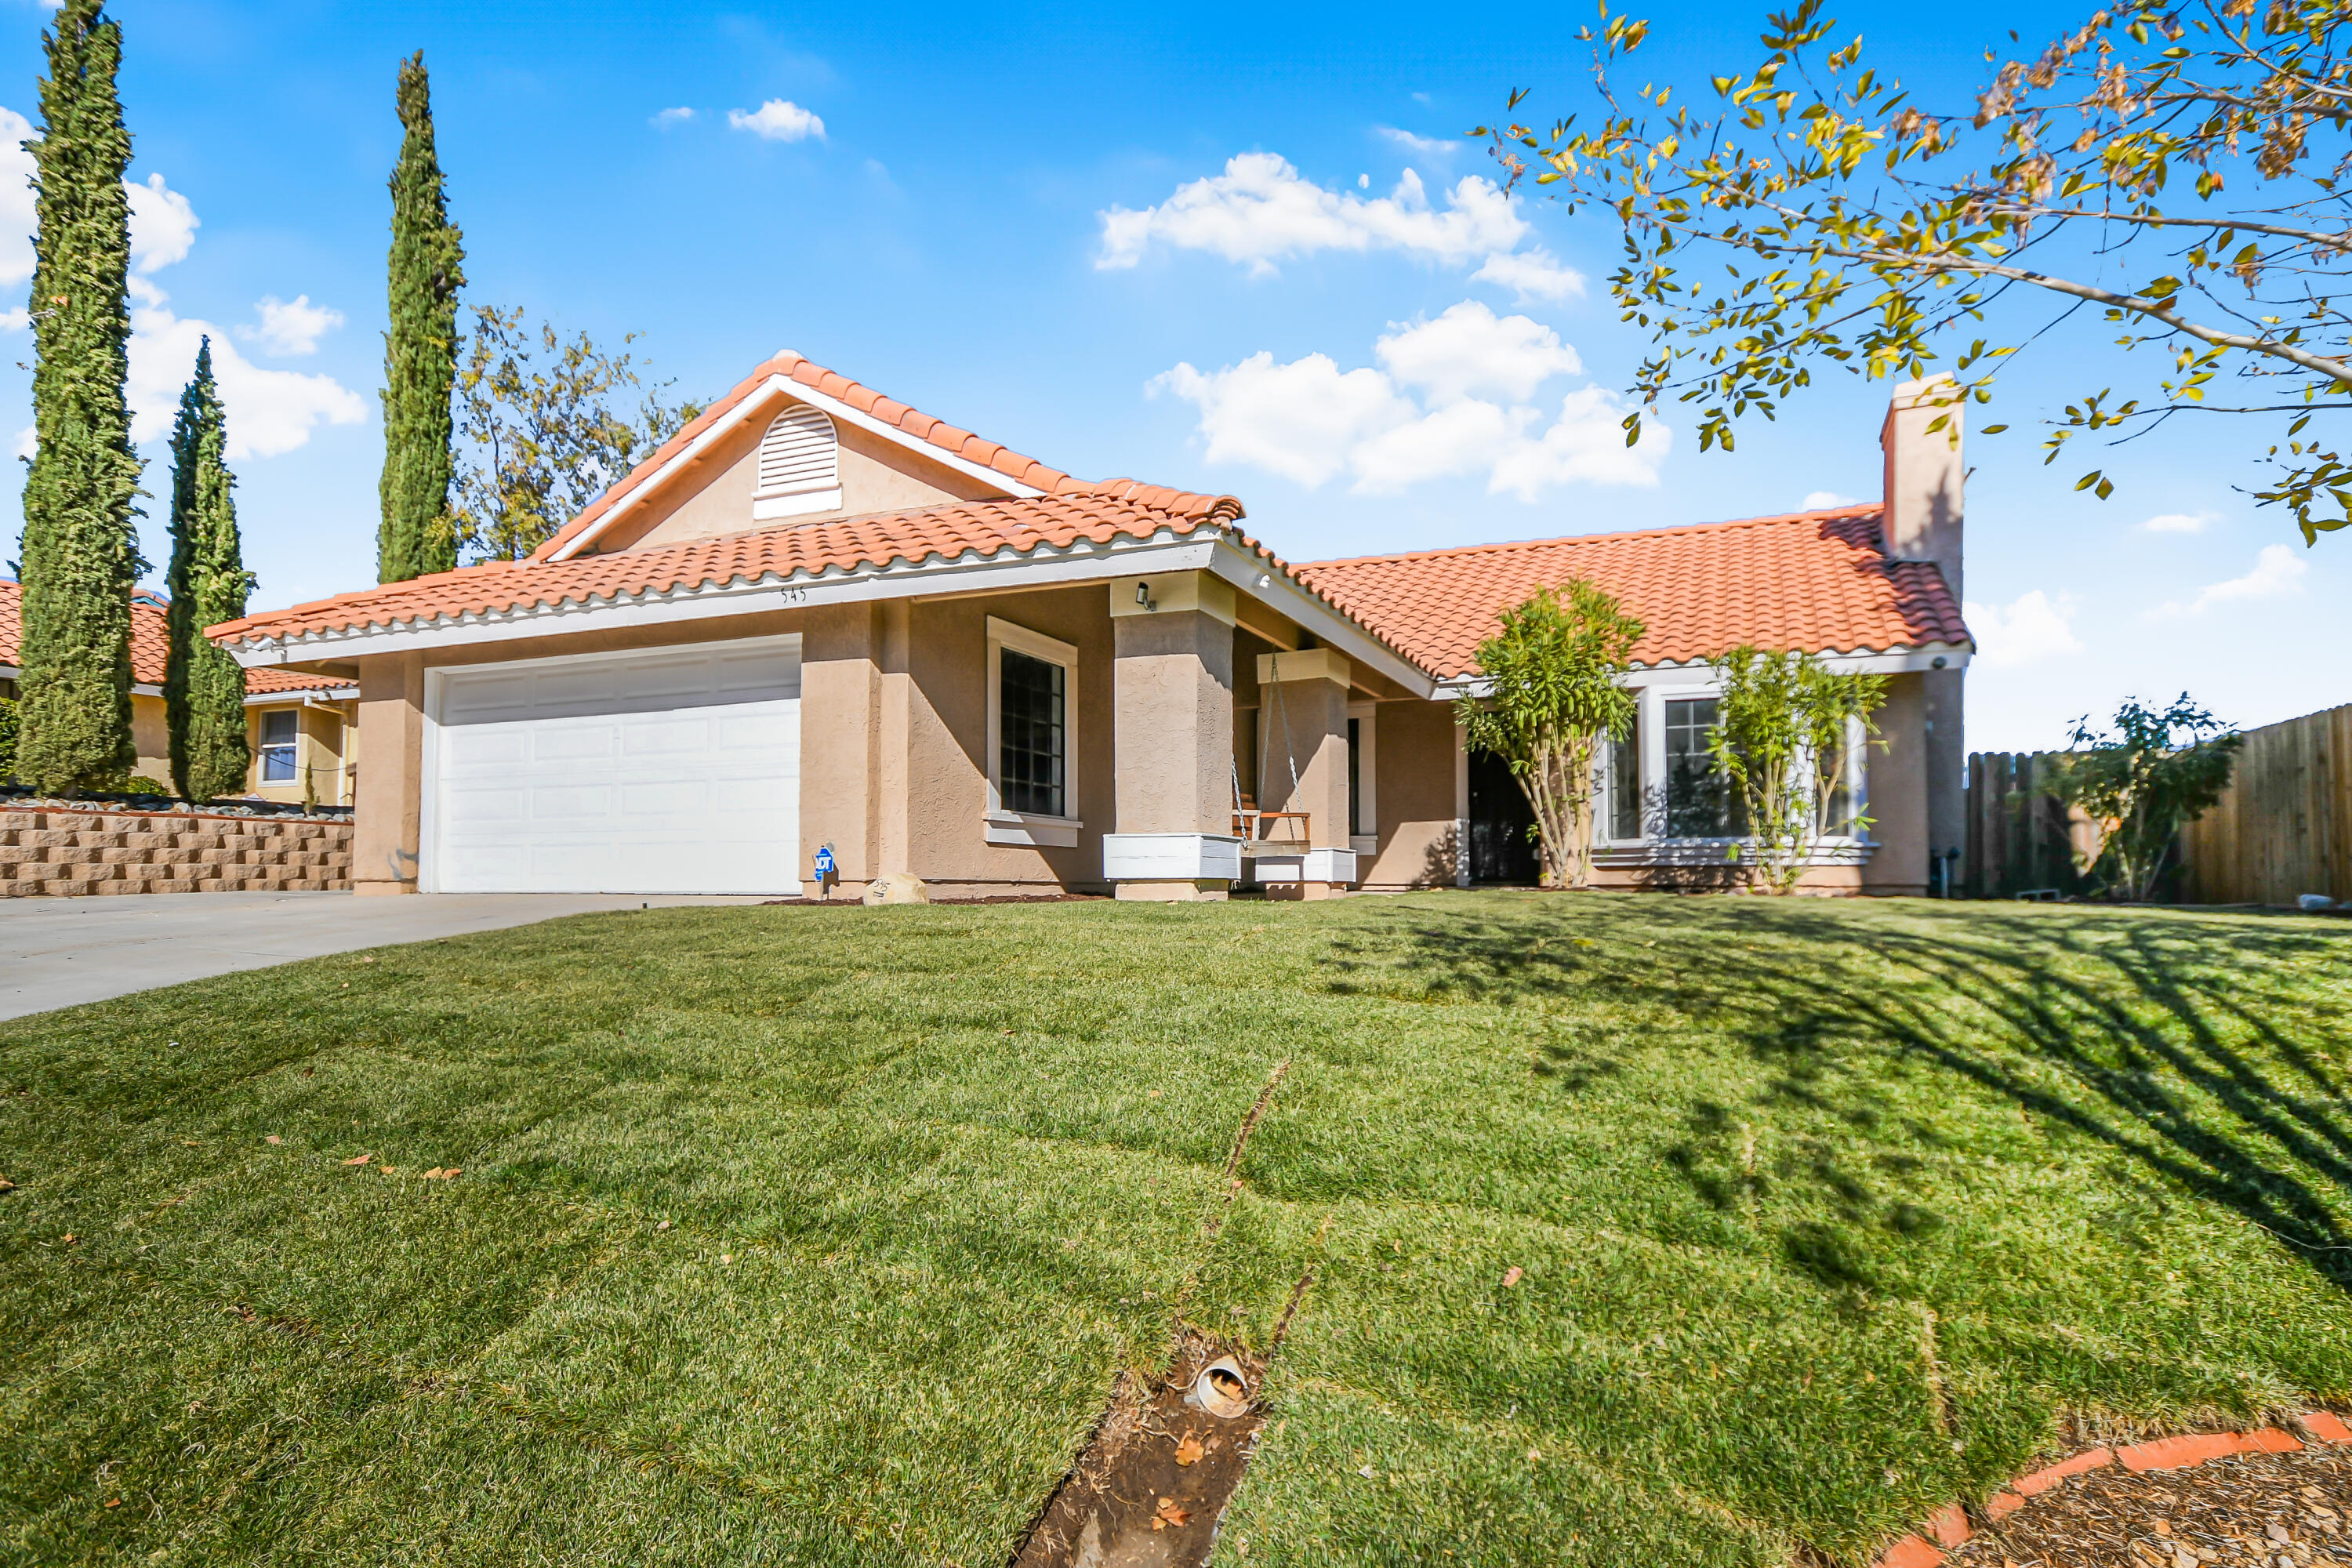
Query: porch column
(1173, 739)
(1304, 707)
(388, 803)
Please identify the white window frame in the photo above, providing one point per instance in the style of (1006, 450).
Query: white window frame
(770, 504)
(263, 747)
(1604, 814)
(1367, 797)
(999, 826)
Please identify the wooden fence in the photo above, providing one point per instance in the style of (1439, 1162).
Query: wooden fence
(2019, 839)
(2285, 828)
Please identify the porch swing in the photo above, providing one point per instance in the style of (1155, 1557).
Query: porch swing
(1252, 826)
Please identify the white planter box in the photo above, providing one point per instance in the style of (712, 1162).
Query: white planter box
(1170, 858)
(1334, 866)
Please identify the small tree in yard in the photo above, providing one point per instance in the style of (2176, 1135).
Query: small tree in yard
(1555, 667)
(204, 687)
(1783, 726)
(541, 439)
(2159, 770)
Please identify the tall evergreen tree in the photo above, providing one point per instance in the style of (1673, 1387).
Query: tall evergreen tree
(420, 352)
(204, 687)
(80, 553)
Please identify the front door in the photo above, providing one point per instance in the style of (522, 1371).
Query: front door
(1502, 823)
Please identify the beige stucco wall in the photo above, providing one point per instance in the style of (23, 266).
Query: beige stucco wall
(150, 731)
(1897, 791)
(1412, 792)
(319, 747)
(713, 498)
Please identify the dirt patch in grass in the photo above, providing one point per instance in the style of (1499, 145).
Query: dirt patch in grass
(2251, 1508)
(1150, 1488)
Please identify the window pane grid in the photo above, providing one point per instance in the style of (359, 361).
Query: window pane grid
(1699, 803)
(1033, 729)
(1625, 784)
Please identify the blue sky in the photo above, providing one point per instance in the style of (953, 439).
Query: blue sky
(1033, 224)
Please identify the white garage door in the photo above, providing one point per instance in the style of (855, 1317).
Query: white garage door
(669, 772)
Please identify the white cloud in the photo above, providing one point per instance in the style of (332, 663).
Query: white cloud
(270, 411)
(1532, 274)
(2032, 627)
(678, 116)
(1468, 352)
(1427, 146)
(2278, 572)
(16, 216)
(778, 119)
(2181, 522)
(163, 225)
(290, 328)
(1824, 501)
(1454, 398)
(1302, 420)
(1261, 210)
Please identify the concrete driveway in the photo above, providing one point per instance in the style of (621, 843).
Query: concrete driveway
(60, 952)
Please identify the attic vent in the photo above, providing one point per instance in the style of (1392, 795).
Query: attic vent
(800, 465)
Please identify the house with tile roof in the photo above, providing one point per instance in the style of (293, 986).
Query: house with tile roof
(820, 636)
(298, 724)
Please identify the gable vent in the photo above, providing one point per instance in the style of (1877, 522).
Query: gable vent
(800, 465)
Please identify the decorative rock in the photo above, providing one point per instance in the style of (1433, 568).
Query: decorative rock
(898, 888)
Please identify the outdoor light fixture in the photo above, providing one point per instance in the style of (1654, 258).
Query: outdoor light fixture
(1143, 593)
(1936, 662)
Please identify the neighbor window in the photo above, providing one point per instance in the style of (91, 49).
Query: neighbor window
(1625, 784)
(1700, 799)
(1033, 734)
(278, 732)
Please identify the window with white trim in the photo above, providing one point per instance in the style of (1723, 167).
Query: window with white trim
(800, 465)
(1625, 782)
(280, 728)
(1032, 704)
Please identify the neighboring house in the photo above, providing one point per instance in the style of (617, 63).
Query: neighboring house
(297, 724)
(820, 626)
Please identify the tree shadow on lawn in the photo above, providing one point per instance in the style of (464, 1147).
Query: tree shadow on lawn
(2182, 1043)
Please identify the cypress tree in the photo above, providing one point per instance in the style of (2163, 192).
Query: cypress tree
(80, 553)
(204, 687)
(420, 353)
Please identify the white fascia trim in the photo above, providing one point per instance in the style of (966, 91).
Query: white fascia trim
(756, 402)
(1861, 662)
(1285, 595)
(305, 697)
(9, 672)
(141, 689)
(1044, 566)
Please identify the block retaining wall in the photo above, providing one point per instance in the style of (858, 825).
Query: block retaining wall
(63, 853)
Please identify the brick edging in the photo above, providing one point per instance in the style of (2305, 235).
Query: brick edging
(1949, 1526)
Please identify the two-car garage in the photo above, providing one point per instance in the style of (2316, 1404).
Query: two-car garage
(670, 772)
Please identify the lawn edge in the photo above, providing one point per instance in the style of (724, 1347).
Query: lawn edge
(1949, 1526)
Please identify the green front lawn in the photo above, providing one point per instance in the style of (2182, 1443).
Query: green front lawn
(793, 1235)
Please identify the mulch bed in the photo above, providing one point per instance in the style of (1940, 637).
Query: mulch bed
(2277, 1511)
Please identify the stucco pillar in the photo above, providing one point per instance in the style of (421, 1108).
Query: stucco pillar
(1173, 739)
(389, 802)
(1303, 706)
(842, 745)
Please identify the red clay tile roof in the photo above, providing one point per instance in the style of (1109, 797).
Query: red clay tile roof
(150, 645)
(923, 427)
(973, 529)
(1815, 581)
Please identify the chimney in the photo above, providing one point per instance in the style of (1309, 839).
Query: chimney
(1925, 478)
(1921, 521)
